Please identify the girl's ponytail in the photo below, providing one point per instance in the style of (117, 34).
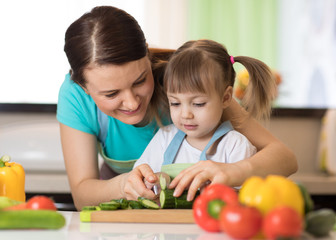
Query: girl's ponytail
(261, 89)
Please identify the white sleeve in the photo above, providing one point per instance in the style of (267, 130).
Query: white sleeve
(239, 147)
(153, 154)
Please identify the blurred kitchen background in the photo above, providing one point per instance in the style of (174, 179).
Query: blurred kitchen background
(297, 39)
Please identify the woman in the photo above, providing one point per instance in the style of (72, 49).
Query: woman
(112, 101)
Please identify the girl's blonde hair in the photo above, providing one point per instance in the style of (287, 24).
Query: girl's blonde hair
(204, 64)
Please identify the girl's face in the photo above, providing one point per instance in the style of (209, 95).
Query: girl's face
(121, 91)
(198, 114)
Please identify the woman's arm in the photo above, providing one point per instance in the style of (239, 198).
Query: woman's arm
(81, 162)
(273, 157)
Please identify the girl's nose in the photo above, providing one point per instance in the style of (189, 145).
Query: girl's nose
(131, 100)
(186, 113)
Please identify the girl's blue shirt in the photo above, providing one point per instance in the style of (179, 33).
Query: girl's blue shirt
(77, 110)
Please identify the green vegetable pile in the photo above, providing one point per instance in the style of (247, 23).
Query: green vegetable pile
(167, 200)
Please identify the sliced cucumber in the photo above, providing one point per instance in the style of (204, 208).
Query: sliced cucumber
(147, 203)
(167, 200)
(28, 219)
(109, 205)
(90, 208)
(124, 203)
(135, 204)
(163, 182)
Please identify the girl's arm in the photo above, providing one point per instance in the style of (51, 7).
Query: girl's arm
(273, 157)
(81, 162)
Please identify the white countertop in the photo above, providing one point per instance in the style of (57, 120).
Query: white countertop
(76, 230)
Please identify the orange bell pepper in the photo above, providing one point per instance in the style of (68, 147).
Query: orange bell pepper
(12, 180)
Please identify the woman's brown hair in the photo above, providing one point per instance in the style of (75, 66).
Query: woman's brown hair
(198, 65)
(108, 35)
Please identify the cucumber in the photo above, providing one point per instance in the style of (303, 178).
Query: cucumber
(112, 205)
(147, 203)
(31, 219)
(124, 203)
(90, 208)
(163, 182)
(167, 200)
(135, 204)
(320, 222)
(182, 203)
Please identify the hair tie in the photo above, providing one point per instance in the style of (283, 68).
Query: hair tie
(232, 59)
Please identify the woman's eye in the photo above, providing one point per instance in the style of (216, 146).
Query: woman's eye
(139, 82)
(111, 95)
(199, 104)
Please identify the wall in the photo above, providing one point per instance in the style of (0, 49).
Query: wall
(302, 134)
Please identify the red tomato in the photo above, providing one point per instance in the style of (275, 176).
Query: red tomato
(242, 222)
(200, 206)
(41, 202)
(282, 222)
(221, 192)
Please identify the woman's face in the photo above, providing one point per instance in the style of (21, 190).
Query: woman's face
(121, 91)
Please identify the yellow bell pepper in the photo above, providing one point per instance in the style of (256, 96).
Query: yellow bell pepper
(266, 194)
(12, 179)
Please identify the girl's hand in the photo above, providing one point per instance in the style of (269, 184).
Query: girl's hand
(201, 173)
(134, 185)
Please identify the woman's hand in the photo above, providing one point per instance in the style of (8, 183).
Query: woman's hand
(134, 183)
(203, 172)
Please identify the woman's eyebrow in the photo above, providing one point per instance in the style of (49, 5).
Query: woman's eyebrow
(137, 79)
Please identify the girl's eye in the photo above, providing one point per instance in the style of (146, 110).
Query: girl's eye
(174, 104)
(139, 82)
(199, 104)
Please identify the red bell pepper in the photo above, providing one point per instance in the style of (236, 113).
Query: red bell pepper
(207, 206)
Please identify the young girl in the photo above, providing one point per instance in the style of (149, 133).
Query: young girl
(199, 79)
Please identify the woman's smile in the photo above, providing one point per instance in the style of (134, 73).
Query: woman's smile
(131, 112)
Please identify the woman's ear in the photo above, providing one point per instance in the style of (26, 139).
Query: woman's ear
(227, 96)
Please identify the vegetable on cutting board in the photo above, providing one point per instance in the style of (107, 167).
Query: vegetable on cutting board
(167, 200)
(12, 179)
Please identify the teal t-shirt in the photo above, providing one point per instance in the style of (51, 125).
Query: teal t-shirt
(77, 110)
